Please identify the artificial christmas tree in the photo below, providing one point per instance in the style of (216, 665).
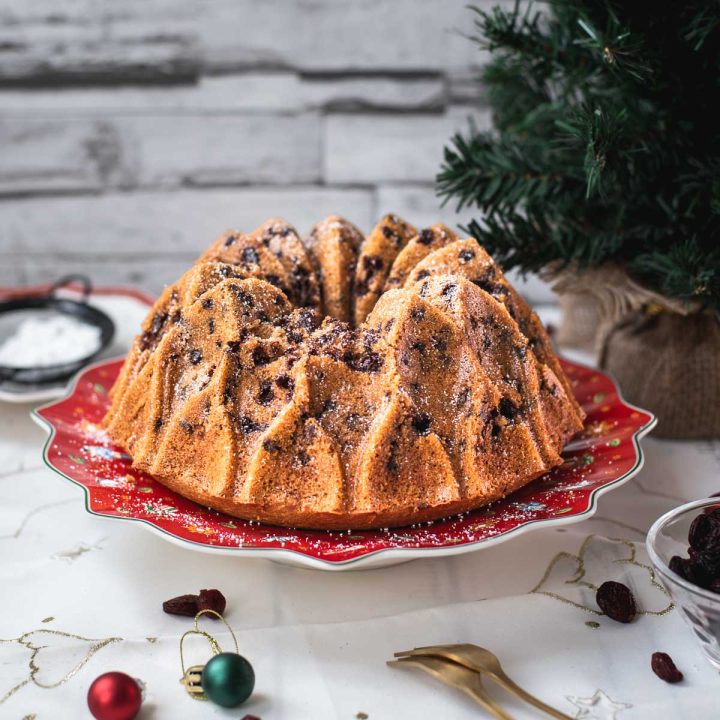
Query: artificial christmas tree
(603, 173)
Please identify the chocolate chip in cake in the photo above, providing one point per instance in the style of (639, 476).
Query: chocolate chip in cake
(271, 445)
(208, 303)
(230, 240)
(245, 298)
(265, 394)
(295, 336)
(449, 291)
(285, 382)
(304, 289)
(247, 425)
(211, 326)
(187, 427)
(367, 362)
(417, 314)
(249, 255)
(195, 356)
(466, 256)
(371, 264)
(275, 281)
(422, 274)
(508, 409)
(361, 288)
(328, 406)
(149, 337)
(392, 462)
(439, 343)
(421, 424)
(426, 237)
(308, 319)
(158, 424)
(260, 356)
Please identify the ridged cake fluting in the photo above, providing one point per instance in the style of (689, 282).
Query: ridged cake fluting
(341, 381)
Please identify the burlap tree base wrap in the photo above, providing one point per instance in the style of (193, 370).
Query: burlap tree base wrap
(670, 365)
(580, 318)
(664, 353)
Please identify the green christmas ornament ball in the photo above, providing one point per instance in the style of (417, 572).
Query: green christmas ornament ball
(228, 679)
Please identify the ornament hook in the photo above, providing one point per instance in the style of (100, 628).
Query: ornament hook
(192, 677)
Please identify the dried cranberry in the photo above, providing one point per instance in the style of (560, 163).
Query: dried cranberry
(677, 565)
(211, 600)
(664, 667)
(616, 601)
(706, 561)
(250, 717)
(700, 528)
(182, 605)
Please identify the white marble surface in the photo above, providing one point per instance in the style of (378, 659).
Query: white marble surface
(319, 641)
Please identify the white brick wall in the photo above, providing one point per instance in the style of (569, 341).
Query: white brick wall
(133, 132)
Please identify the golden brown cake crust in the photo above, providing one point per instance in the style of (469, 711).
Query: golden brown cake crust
(377, 254)
(448, 396)
(334, 243)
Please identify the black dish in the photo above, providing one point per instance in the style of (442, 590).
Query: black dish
(80, 310)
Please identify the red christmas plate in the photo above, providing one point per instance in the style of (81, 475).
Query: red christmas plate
(606, 454)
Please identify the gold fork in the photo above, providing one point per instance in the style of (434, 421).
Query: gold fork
(457, 676)
(478, 659)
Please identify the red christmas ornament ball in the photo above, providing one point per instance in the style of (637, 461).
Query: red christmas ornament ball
(114, 696)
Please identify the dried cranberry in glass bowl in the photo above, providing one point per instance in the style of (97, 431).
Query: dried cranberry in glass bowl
(684, 546)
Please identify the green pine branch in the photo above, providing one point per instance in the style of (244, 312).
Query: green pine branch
(605, 145)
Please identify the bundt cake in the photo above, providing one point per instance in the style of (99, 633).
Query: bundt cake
(343, 382)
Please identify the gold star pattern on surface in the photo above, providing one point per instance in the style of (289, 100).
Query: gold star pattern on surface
(598, 707)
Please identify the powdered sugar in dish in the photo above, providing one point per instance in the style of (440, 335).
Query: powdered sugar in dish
(45, 341)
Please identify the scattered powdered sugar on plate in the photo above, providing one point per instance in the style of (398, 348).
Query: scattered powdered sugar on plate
(45, 341)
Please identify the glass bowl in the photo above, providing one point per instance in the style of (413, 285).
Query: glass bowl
(699, 607)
